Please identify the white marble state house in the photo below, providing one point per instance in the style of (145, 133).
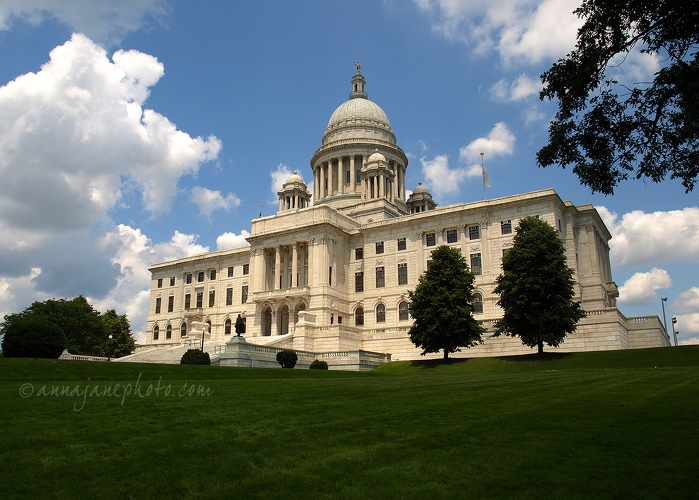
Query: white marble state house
(333, 274)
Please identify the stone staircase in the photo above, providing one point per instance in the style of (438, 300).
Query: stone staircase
(170, 355)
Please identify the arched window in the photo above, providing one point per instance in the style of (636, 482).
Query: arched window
(183, 330)
(208, 322)
(156, 332)
(168, 332)
(228, 326)
(381, 313)
(477, 303)
(403, 311)
(359, 317)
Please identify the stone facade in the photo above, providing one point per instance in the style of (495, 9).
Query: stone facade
(334, 276)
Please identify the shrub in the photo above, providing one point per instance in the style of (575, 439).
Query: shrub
(287, 358)
(318, 365)
(195, 357)
(33, 338)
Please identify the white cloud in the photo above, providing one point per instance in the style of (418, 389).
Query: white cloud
(231, 240)
(652, 238)
(640, 288)
(526, 30)
(209, 201)
(100, 20)
(441, 179)
(520, 89)
(499, 142)
(686, 309)
(279, 177)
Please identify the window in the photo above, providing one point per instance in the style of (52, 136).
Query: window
(212, 274)
(358, 253)
(332, 318)
(200, 300)
(477, 303)
(244, 294)
(330, 276)
(452, 237)
(227, 327)
(476, 266)
(157, 305)
(200, 277)
(212, 298)
(379, 247)
(156, 332)
(504, 251)
(359, 317)
(474, 232)
(429, 263)
(402, 274)
(401, 244)
(160, 282)
(349, 177)
(380, 277)
(506, 227)
(359, 176)
(430, 239)
(171, 303)
(172, 281)
(168, 332)
(229, 296)
(187, 300)
(403, 311)
(183, 330)
(339, 320)
(188, 278)
(230, 272)
(359, 282)
(381, 313)
(246, 268)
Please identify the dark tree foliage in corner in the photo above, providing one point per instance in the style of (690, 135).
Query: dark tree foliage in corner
(442, 305)
(610, 130)
(536, 288)
(32, 338)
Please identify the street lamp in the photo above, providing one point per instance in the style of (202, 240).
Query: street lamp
(109, 348)
(662, 303)
(674, 333)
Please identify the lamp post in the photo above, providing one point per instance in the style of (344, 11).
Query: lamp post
(109, 347)
(662, 303)
(674, 333)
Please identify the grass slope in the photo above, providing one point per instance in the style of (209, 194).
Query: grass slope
(589, 425)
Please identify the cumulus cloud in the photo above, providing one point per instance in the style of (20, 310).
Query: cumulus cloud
(499, 142)
(103, 21)
(525, 30)
(441, 179)
(231, 240)
(641, 238)
(686, 309)
(640, 288)
(209, 201)
(519, 89)
(279, 177)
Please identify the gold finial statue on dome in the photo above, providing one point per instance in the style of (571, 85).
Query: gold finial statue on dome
(359, 66)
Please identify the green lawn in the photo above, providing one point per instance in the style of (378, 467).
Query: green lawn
(617, 424)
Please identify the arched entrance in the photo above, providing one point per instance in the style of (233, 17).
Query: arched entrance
(283, 320)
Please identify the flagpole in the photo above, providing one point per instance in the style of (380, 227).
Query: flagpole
(483, 174)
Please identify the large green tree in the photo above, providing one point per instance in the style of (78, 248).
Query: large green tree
(609, 129)
(120, 340)
(442, 305)
(537, 288)
(32, 338)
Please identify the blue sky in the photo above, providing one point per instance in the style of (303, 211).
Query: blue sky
(135, 131)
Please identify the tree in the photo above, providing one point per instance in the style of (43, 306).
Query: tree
(32, 338)
(195, 357)
(536, 288)
(287, 358)
(122, 342)
(442, 305)
(607, 129)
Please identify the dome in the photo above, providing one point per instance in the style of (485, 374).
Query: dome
(358, 111)
(420, 189)
(293, 178)
(376, 157)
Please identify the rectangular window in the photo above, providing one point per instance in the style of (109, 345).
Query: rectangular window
(359, 176)
(474, 232)
(172, 281)
(188, 279)
(430, 239)
(187, 300)
(212, 274)
(401, 244)
(452, 236)
(244, 294)
(359, 282)
(246, 268)
(330, 276)
(379, 247)
(402, 274)
(157, 305)
(504, 251)
(506, 227)
(476, 267)
(200, 276)
(358, 253)
(229, 296)
(212, 298)
(160, 282)
(230, 272)
(349, 177)
(171, 303)
(200, 300)
(429, 263)
(339, 320)
(380, 277)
